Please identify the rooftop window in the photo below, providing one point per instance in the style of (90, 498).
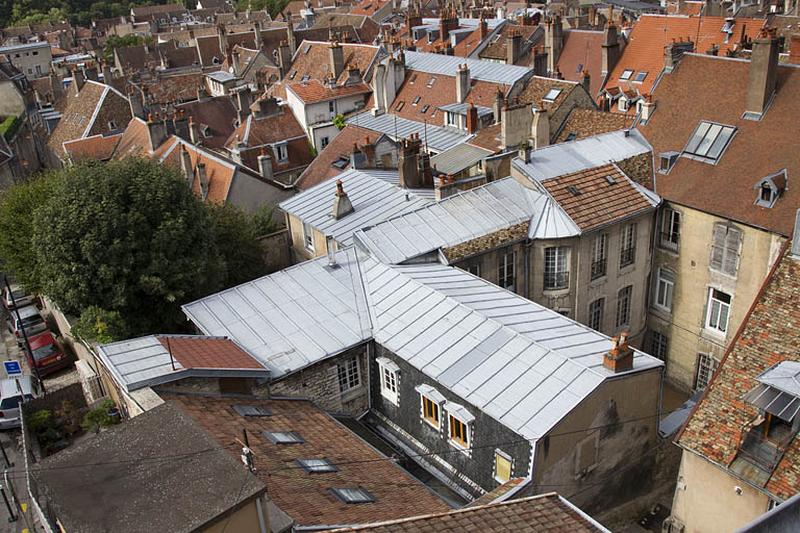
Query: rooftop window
(400, 106)
(551, 95)
(251, 410)
(283, 437)
(770, 188)
(316, 466)
(626, 74)
(709, 141)
(640, 76)
(416, 100)
(425, 108)
(431, 81)
(306, 48)
(353, 495)
(305, 77)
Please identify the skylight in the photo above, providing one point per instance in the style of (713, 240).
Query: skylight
(626, 74)
(316, 466)
(551, 95)
(708, 141)
(283, 437)
(416, 100)
(431, 81)
(640, 76)
(250, 410)
(353, 495)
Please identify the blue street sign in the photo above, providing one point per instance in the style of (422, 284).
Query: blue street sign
(13, 369)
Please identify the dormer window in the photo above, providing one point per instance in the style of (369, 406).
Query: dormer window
(626, 74)
(770, 188)
(666, 160)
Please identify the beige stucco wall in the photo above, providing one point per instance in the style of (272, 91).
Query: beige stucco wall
(251, 193)
(706, 500)
(244, 519)
(11, 102)
(684, 327)
(295, 226)
(626, 410)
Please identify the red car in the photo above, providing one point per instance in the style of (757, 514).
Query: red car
(48, 356)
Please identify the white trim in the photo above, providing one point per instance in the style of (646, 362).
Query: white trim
(96, 111)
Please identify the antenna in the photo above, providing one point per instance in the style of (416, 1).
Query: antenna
(171, 359)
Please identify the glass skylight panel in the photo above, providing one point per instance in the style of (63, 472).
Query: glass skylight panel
(709, 140)
(353, 495)
(251, 410)
(316, 466)
(626, 74)
(284, 437)
(551, 95)
(640, 76)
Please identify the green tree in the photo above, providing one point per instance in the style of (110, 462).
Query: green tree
(114, 41)
(273, 7)
(126, 236)
(339, 121)
(99, 325)
(17, 209)
(264, 220)
(235, 234)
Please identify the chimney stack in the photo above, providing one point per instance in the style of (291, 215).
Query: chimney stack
(203, 177)
(330, 247)
(157, 129)
(763, 72)
(620, 357)
(243, 103)
(513, 46)
(586, 81)
(515, 125)
(336, 59)
(257, 35)
(341, 202)
(462, 83)
(78, 80)
(796, 236)
(186, 166)
(136, 101)
(265, 165)
(472, 119)
(236, 62)
(284, 58)
(610, 48)
(408, 164)
(498, 106)
(525, 153)
(553, 41)
(194, 134)
(794, 49)
(648, 106)
(540, 128)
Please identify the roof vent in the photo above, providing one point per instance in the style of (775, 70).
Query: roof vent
(573, 190)
(610, 180)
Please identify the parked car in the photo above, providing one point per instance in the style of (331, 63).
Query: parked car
(12, 392)
(20, 298)
(46, 355)
(30, 317)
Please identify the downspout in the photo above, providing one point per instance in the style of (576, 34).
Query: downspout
(260, 510)
(528, 244)
(577, 278)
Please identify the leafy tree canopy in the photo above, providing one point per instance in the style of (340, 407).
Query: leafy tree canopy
(114, 41)
(273, 7)
(82, 12)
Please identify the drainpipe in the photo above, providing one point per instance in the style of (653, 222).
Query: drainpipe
(577, 277)
(528, 244)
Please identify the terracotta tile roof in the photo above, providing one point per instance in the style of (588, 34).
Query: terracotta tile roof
(700, 185)
(592, 202)
(582, 51)
(341, 146)
(219, 171)
(488, 138)
(535, 514)
(313, 91)
(538, 87)
(99, 147)
(368, 7)
(174, 88)
(89, 113)
(218, 114)
(193, 351)
(366, 28)
(689, 7)
(435, 90)
(651, 33)
(499, 50)
(312, 59)
(303, 496)
(135, 141)
(589, 122)
(769, 334)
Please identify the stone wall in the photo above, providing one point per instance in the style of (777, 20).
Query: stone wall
(276, 250)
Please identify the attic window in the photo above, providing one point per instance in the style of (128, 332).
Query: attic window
(206, 131)
(573, 190)
(708, 141)
(495, 38)
(551, 95)
(416, 100)
(640, 76)
(353, 495)
(316, 466)
(400, 106)
(626, 74)
(215, 60)
(666, 160)
(413, 78)
(770, 189)
(579, 68)
(251, 410)
(341, 163)
(610, 180)
(431, 81)
(572, 136)
(305, 77)
(283, 437)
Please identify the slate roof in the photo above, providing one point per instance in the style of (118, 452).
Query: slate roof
(373, 195)
(645, 49)
(535, 514)
(141, 475)
(293, 318)
(437, 138)
(592, 202)
(306, 497)
(155, 359)
(700, 185)
(769, 334)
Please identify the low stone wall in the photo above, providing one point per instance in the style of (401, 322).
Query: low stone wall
(276, 250)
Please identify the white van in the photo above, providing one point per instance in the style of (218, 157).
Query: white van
(11, 395)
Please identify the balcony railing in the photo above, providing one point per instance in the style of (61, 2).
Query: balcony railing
(669, 241)
(556, 280)
(599, 269)
(627, 256)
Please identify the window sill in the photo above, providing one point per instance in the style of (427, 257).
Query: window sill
(556, 292)
(721, 273)
(668, 249)
(353, 392)
(460, 447)
(661, 311)
(627, 269)
(436, 427)
(502, 481)
(391, 398)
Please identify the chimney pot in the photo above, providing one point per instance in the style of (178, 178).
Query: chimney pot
(330, 246)
(341, 203)
(620, 357)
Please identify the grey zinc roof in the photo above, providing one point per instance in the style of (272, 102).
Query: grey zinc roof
(461, 109)
(437, 138)
(522, 364)
(292, 318)
(458, 158)
(144, 361)
(478, 69)
(465, 216)
(373, 193)
(142, 485)
(566, 158)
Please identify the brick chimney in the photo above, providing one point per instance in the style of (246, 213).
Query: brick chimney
(462, 83)
(472, 119)
(610, 51)
(186, 166)
(78, 80)
(336, 59)
(284, 58)
(674, 51)
(265, 165)
(499, 101)
(157, 129)
(763, 72)
(341, 202)
(794, 49)
(408, 163)
(482, 27)
(620, 357)
(513, 46)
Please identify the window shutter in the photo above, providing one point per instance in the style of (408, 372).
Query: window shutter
(718, 247)
(732, 240)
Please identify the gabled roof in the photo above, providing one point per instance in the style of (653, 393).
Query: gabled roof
(769, 334)
(220, 171)
(437, 138)
(651, 33)
(314, 91)
(559, 159)
(306, 497)
(312, 59)
(340, 147)
(98, 147)
(478, 69)
(373, 195)
(725, 188)
(582, 51)
(293, 318)
(158, 359)
(534, 514)
(141, 473)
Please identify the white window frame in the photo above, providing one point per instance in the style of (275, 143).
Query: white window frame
(597, 310)
(507, 270)
(706, 366)
(599, 257)
(474, 269)
(426, 392)
(670, 234)
(281, 152)
(352, 374)
(663, 299)
(505, 456)
(467, 429)
(626, 74)
(556, 267)
(622, 104)
(308, 237)
(714, 312)
(389, 374)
